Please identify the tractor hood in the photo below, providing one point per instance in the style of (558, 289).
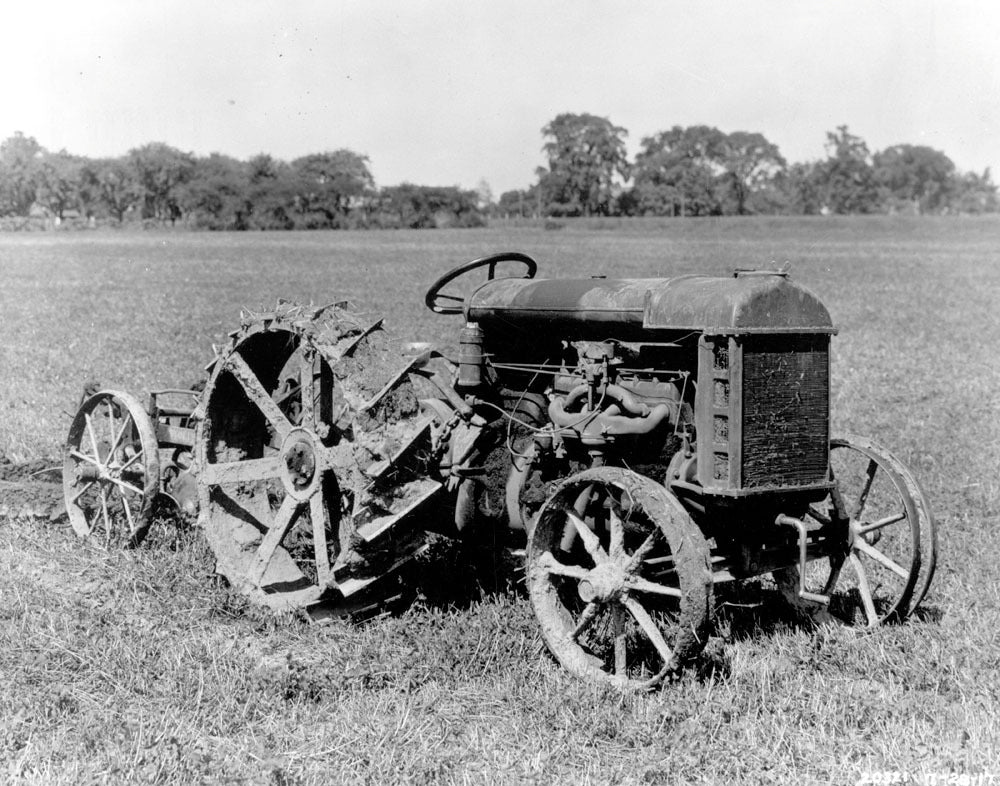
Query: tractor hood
(747, 302)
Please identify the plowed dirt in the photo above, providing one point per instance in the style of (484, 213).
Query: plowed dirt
(31, 489)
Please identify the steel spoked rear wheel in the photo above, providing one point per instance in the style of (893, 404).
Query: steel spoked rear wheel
(111, 469)
(270, 504)
(620, 579)
(312, 463)
(887, 559)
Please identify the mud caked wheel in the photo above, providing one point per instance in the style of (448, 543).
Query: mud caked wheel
(883, 564)
(278, 463)
(111, 471)
(620, 578)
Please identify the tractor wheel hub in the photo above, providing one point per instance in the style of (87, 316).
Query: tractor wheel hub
(603, 584)
(300, 471)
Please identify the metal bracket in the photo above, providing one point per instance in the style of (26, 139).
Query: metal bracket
(803, 530)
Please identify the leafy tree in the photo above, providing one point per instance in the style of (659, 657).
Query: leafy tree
(559, 195)
(60, 183)
(652, 197)
(218, 192)
(751, 162)
(19, 170)
(160, 170)
(800, 189)
(272, 193)
(423, 207)
(332, 183)
(262, 168)
(679, 172)
(114, 185)
(915, 175)
(974, 193)
(522, 203)
(511, 203)
(848, 176)
(585, 154)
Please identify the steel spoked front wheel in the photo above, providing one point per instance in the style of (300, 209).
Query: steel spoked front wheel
(111, 469)
(620, 579)
(886, 560)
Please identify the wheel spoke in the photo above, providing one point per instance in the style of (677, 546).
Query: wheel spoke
(597, 505)
(107, 516)
(550, 564)
(880, 557)
(255, 391)
(583, 499)
(241, 471)
(866, 489)
(117, 438)
(307, 381)
(318, 514)
(283, 520)
(128, 514)
(78, 455)
(640, 554)
(586, 620)
(580, 507)
(836, 566)
(864, 529)
(640, 584)
(621, 647)
(616, 546)
(822, 518)
(127, 486)
(590, 541)
(651, 630)
(864, 589)
(82, 491)
(130, 462)
(112, 426)
(93, 441)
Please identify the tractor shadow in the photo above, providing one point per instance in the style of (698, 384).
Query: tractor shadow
(755, 609)
(455, 573)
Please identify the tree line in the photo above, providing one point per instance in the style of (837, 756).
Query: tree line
(702, 171)
(158, 184)
(683, 171)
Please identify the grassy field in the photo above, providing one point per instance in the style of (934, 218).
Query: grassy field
(139, 666)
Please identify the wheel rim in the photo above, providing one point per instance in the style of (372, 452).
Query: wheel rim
(111, 469)
(619, 578)
(872, 575)
(928, 536)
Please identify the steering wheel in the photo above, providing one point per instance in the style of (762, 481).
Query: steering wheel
(434, 297)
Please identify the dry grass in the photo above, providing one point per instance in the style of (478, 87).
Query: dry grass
(138, 666)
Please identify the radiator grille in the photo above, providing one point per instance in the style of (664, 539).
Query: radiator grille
(785, 410)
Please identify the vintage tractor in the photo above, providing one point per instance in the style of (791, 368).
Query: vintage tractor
(641, 439)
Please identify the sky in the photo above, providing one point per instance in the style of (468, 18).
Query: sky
(456, 92)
